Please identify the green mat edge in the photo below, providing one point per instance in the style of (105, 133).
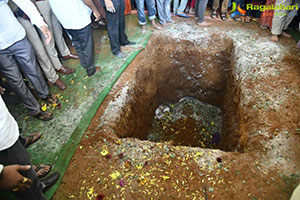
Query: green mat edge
(80, 129)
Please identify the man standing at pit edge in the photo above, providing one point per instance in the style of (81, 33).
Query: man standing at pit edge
(74, 15)
(283, 17)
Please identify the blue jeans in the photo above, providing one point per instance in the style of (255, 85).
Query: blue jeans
(181, 7)
(200, 9)
(163, 9)
(141, 10)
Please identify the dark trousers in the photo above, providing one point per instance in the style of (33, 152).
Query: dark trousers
(200, 9)
(17, 155)
(84, 45)
(116, 26)
(18, 56)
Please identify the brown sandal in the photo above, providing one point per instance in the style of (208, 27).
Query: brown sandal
(45, 116)
(34, 137)
(51, 98)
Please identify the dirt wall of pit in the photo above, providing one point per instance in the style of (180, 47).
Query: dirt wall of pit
(168, 70)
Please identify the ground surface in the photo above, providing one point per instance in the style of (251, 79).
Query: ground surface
(263, 165)
(77, 104)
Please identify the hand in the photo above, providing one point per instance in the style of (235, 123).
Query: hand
(97, 15)
(109, 6)
(46, 33)
(2, 90)
(11, 178)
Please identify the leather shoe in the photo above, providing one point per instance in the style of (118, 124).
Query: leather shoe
(65, 70)
(70, 56)
(129, 43)
(60, 84)
(120, 55)
(49, 181)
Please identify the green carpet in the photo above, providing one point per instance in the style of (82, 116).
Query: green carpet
(79, 102)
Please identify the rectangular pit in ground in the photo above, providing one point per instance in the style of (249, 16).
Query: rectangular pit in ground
(168, 70)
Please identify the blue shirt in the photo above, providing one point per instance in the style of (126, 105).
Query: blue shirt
(11, 31)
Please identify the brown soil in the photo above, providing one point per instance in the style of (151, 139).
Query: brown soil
(260, 146)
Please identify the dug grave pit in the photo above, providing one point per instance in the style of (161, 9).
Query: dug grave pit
(180, 95)
(194, 67)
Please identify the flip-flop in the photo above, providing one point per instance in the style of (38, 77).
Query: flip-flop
(182, 15)
(31, 139)
(39, 168)
(45, 116)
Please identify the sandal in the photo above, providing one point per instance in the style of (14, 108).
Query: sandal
(182, 15)
(45, 116)
(34, 137)
(214, 14)
(51, 98)
(224, 16)
(40, 170)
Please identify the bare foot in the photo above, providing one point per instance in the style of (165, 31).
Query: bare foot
(285, 34)
(41, 170)
(263, 27)
(164, 25)
(203, 23)
(274, 38)
(171, 21)
(98, 69)
(154, 25)
(144, 29)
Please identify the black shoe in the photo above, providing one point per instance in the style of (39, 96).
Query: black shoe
(214, 14)
(224, 16)
(49, 181)
(120, 55)
(129, 43)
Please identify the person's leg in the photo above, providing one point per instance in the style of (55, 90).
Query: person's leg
(196, 8)
(201, 11)
(167, 8)
(45, 10)
(216, 4)
(151, 9)
(10, 70)
(175, 6)
(24, 55)
(182, 6)
(193, 3)
(113, 29)
(279, 18)
(58, 36)
(84, 45)
(18, 155)
(224, 8)
(39, 50)
(141, 12)
(291, 14)
(161, 11)
(22, 140)
(122, 35)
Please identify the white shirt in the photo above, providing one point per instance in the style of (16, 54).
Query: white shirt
(9, 130)
(11, 31)
(72, 14)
